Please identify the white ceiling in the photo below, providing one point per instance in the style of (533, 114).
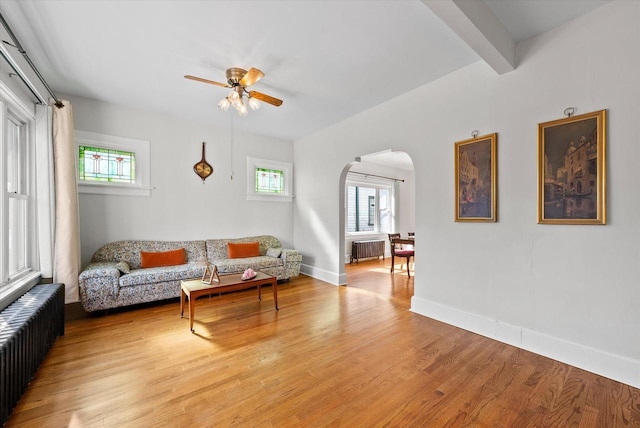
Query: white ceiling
(328, 60)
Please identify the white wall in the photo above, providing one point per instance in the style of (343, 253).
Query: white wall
(181, 207)
(568, 292)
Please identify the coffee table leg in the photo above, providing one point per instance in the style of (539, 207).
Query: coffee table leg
(181, 303)
(259, 292)
(274, 287)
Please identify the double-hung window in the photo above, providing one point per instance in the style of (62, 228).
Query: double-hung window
(18, 260)
(369, 207)
(18, 195)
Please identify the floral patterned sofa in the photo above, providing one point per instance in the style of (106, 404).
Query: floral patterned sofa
(115, 277)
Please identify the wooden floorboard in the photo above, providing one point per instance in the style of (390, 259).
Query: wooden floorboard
(351, 356)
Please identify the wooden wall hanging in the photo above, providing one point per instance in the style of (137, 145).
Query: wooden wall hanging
(202, 168)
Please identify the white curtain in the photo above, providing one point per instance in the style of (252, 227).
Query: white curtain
(45, 189)
(67, 225)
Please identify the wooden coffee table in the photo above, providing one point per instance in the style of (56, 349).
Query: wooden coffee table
(194, 288)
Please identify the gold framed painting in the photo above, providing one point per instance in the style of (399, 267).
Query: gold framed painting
(571, 170)
(476, 179)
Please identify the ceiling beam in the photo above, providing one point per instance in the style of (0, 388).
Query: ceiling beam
(476, 24)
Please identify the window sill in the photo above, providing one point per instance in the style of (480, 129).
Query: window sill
(13, 290)
(269, 198)
(360, 235)
(114, 189)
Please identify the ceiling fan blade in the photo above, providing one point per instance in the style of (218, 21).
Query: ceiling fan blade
(200, 79)
(266, 98)
(252, 76)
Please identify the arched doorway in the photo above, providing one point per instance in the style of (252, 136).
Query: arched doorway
(377, 194)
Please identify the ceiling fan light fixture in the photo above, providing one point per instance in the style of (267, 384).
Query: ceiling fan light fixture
(254, 104)
(224, 104)
(238, 79)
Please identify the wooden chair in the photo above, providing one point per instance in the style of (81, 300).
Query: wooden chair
(397, 250)
(393, 236)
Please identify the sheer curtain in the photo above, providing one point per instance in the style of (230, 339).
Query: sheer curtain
(45, 189)
(67, 225)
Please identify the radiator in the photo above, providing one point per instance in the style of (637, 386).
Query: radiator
(28, 328)
(365, 249)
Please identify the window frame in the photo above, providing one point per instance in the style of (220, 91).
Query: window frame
(142, 184)
(14, 284)
(254, 164)
(373, 185)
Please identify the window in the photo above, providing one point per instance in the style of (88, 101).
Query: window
(369, 208)
(17, 194)
(110, 165)
(269, 180)
(18, 261)
(114, 166)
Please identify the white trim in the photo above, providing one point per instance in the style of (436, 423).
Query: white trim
(287, 167)
(17, 104)
(616, 367)
(23, 281)
(377, 185)
(17, 288)
(25, 71)
(324, 275)
(142, 186)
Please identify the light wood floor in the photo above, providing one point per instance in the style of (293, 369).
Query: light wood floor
(350, 356)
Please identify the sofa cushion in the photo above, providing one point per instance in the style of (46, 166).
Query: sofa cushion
(163, 258)
(162, 274)
(217, 248)
(240, 265)
(129, 251)
(123, 267)
(238, 250)
(274, 252)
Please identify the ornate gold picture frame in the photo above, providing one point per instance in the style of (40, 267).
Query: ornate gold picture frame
(476, 179)
(210, 274)
(571, 170)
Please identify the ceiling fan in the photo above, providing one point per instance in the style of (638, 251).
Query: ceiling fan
(238, 80)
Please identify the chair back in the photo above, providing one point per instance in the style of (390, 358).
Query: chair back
(412, 234)
(392, 236)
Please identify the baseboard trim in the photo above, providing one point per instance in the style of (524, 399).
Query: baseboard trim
(324, 275)
(612, 366)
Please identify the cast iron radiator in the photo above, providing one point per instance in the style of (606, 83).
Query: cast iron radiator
(28, 328)
(364, 249)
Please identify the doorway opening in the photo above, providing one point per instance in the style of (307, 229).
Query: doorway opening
(377, 193)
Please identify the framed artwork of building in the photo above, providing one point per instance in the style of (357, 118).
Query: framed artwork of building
(571, 170)
(476, 179)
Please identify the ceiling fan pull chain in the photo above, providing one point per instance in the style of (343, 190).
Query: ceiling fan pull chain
(231, 149)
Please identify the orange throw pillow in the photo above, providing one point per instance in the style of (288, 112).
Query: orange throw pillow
(240, 250)
(164, 258)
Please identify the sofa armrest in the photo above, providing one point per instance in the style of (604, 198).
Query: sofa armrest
(100, 270)
(291, 255)
(98, 286)
(291, 260)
